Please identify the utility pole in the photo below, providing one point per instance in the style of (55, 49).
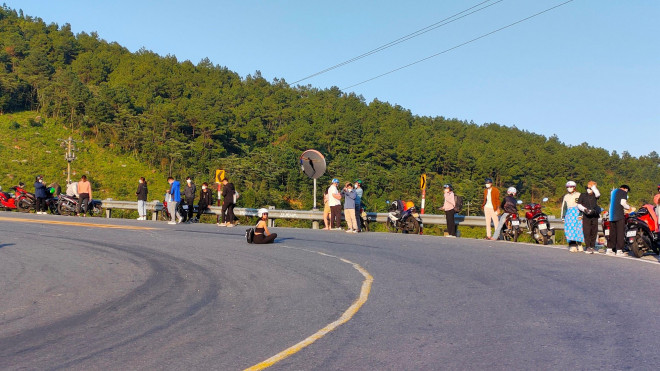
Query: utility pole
(69, 156)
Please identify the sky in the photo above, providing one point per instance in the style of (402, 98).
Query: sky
(587, 71)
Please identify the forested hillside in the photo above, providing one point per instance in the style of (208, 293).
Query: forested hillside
(183, 119)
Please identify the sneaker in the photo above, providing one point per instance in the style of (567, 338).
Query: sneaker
(621, 253)
(222, 224)
(572, 249)
(180, 219)
(580, 248)
(171, 222)
(609, 252)
(590, 250)
(230, 225)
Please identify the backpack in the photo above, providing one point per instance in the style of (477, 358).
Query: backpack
(458, 203)
(249, 235)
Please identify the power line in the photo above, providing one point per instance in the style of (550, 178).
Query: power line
(459, 45)
(419, 32)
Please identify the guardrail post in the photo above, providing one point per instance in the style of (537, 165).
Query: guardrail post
(271, 222)
(108, 213)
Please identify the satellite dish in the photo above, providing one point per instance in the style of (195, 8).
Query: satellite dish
(312, 163)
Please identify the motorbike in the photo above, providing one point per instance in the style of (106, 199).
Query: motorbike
(511, 228)
(7, 201)
(52, 204)
(537, 223)
(605, 225)
(642, 231)
(403, 217)
(68, 205)
(24, 200)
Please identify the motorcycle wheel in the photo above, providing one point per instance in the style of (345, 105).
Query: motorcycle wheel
(539, 237)
(66, 209)
(516, 234)
(24, 205)
(95, 210)
(411, 226)
(640, 245)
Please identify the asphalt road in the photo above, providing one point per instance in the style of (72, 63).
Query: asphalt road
(197, 297)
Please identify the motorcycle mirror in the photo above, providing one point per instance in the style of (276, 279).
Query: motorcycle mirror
(388, 202)
(519, 202)
(545, 199)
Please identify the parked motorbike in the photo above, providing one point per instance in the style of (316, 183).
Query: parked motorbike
(403, 217)
(7, 201)
(511, 229)
(605, 225)
(537, 223)
(642, 231)
(52, 204)
(68, 205)
(24, 200)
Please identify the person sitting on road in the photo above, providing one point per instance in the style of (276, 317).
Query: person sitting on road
(510, 206)
(261, 233)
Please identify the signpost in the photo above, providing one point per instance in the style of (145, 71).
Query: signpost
(219, 177)
(312, 163)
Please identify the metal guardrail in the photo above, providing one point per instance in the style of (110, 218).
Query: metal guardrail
(314, 215)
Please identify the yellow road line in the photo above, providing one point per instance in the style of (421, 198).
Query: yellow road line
(78, 224)
(345, 317)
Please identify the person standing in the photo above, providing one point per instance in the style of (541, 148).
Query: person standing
(141, 193)
(588, 204)
(491, 206)
(358, 204)
(656, 201)
(618, 207)
(571, 216)
(349, 207)
(189, 193)
(40, 194)
(227, 204)
(448, 207)
(326, 210)
(84, 195)
(204, 201)
(334, 200)
(175, 198)
(510, 206)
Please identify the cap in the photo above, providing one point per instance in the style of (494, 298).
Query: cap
(489, 181)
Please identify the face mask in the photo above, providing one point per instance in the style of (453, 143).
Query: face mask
(140, 181)
(570, 189)
(203, 187)
(356, 185)
(446, 190)
(589, 191)
(189, 181)
(488, 185)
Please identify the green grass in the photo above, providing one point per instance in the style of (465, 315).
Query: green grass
(31, 145)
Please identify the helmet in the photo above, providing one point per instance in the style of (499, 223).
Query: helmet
(262, 211)
(512, 191)
(571, 183)
(489, 181)
(448, 185)
(360, 182)
(335, 180)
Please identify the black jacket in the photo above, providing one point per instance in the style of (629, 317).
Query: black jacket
(142, 192)
(189, 192)
(590, 202)
(205, 197)
(228, 193)
(509, 205)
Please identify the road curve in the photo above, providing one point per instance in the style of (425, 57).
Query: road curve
(198, 297)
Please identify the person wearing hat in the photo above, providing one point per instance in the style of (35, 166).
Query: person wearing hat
(349, 207)
(448, 207)
(334, 200)
(588, 205)
(261, 233)
(571, 216)
(491, 206)
(358, 203)
(509, 206)
(618, 207)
